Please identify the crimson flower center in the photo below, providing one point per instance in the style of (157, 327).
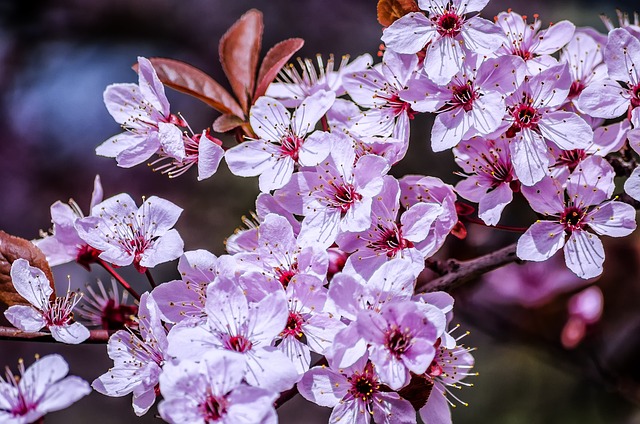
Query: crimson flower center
(575, 89)
(344, 196)
(239, 344)
(294, 325)
(526, 116)
(364, 385)
(464, 96)
(290, 146)
(571, 158)
(214, 407)
(572, 218)
(285, 275)
(449, 24)
(397, 341)
(390, 241)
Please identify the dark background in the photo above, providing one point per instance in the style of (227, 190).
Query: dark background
(56, 58)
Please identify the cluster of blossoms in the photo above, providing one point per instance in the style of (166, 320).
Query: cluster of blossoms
(320, 291)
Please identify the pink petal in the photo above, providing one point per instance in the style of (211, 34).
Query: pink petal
(31, 283)
(541, 241)
(614, 219)
(584, 254)
(25, 318)
(409, 34)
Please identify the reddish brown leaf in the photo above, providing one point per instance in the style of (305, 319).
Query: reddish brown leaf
(274, 60)
(417, 391)
(391, 10)
(226, 123)
(239, 53)
(11, 249)
(191, 80)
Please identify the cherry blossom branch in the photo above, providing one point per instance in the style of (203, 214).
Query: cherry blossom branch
(118, 278)
(150, 278)
(10, 333)
(454, 273)
(325, 123)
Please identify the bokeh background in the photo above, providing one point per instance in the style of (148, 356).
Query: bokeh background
(56, 58)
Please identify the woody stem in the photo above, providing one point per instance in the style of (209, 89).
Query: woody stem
(118, 278)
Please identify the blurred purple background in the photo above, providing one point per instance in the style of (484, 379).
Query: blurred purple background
(56, 58)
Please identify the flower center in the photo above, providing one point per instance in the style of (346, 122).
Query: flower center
(214, 407)
(449, 24)
(575, 89)
(294, 326)
(290, 146)
(285, 275)
(238, 343)
(571, 158)
(389, 241)
(397, 341)
(463, 96)
(116, 316)
(572, 217)
(60, 311)
(526, 116)
(344, 196)
(364, 385)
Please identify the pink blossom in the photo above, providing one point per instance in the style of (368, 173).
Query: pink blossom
(584, 56)
(143, 111)
(179, 155)
(491, 178)
(211, 391)
(279, 255)
(355, 394)
(607, 98)
(350, 293)
(38, 390)
(235, 324)
(533, 118)
(531, 285)
(448, 369)
(527, 41)
(584, 208)
(126, 234)
(386, 238)
(416, 190)
(401, 338)
(378, 89)
(448, 34)
(64, 244)
(185, 298)
(138, 359)
(284, 140)
(472, 103)
(335, 196)
(585, 309)
(295, 85)
(57, 314)
(309, 328)
(107, 309)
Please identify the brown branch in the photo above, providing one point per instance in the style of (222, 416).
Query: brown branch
(10, 333)
(454, 273)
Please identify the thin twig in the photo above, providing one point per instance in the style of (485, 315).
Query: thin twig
(150, 278)
(118, 278)
(456, 273)
(10, 333)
